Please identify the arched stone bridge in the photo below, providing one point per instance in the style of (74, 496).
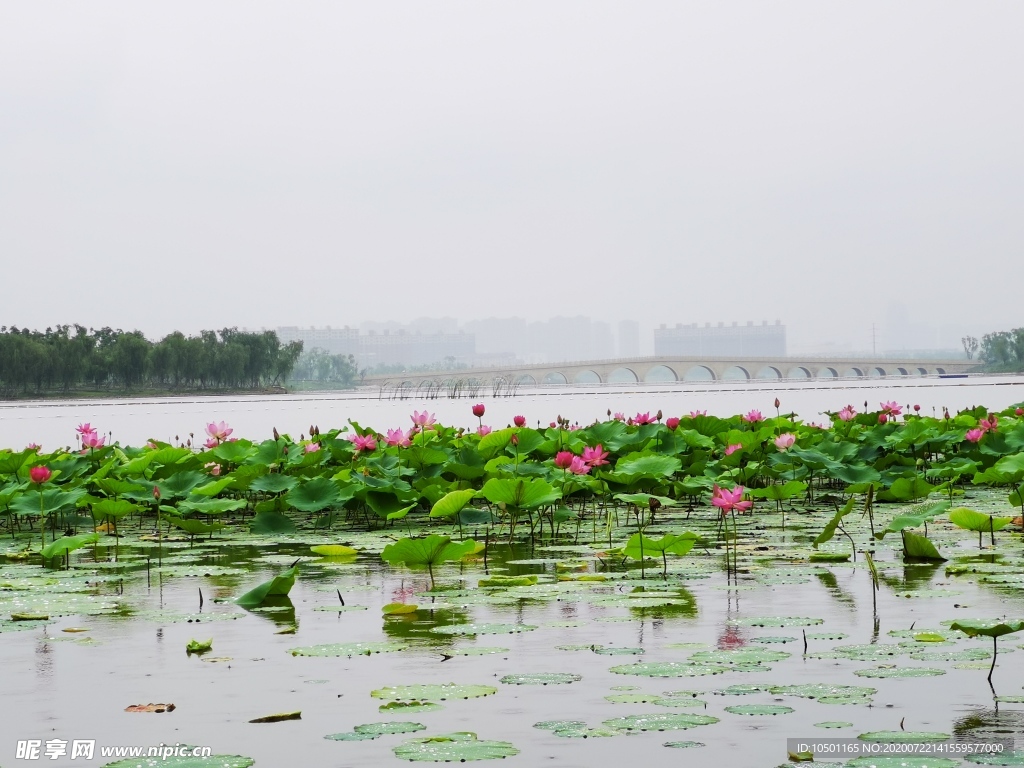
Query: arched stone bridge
(696, 369)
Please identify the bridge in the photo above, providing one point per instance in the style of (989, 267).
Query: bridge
(672, 369)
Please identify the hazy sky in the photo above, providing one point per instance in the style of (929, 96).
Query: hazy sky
(188, 165)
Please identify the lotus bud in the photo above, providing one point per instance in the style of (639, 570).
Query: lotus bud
(777, 402)
(478, 410)
(658, 417)
(156, 493)
(276, 435)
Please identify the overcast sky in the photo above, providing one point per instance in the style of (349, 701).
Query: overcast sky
(188, 165)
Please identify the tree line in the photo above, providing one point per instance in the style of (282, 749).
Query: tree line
(1001, 350)
(69, 358)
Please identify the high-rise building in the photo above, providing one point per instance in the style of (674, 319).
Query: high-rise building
(722, 340)
(629, 338)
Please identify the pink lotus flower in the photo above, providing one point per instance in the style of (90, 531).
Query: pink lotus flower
(990, 423)
(553, 425)
(33, 447)
(84, 429)
(578, 466)
(214, 468)
(40, 474)
(519, 420)
(211, 442)
(93, 440)
(151, 445)
(695, 414)
(483, 430)
(311, 447)
(731, 449)
(974, 435)
(363, 442)
(917, 408)
(423, 420)
(563, 459)
(729, 501)
(619, 417)
(218, 430)
(478, 410)
(785, 441)
(752, 417)
(672, 423)
(398, 439)
(882, 418)
(1018, 411)
(595, 457)
(892, 408)
(816, 425)
(643, 418)
(573, 427)
(847, 413)
(156, 493)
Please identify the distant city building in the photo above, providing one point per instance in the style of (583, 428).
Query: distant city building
(629, 338)
(388, 347)
(722, 340)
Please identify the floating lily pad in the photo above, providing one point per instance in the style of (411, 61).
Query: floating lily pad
(759, 709)
(483, 629)
(820, 691)
(887, 672)
(619, 651)
(348, 649)
(659, 721)
(352, 736)
(904, 737)
(453, 747)
(214, 761)
(408, 707)
(555, 725)
(669, 669)
(739, 656)
(542, 678)
(1012, 757)
(442, 692)
(397, 726)
(743, 689)
(682, 744)
(834, 724)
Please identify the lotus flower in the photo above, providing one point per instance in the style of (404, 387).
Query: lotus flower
(519, 420)
(563, 459)
(974, 435)
(595, 457)
(483, 430)
(643, 418)
(731, 449)
(917, 408)
(882, 418)
(311, 447)
(990, 423)
(847, 413)
(619, 417)
(214, 468)
(33, 447)
(892, 408)
(695, 414)
(672, 423)
(40, 474)
(211, 442)
(423, 420)
(553, 425)
(398, 439)
(785, 441)
(578, 466)
(729, 501)
(363, 442)
(1018, 411)
(753, 416)
(219, 431)
(93, 440)
(478, 410)
(84, 429)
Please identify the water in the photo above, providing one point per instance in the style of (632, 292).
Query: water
(132, 421)
(57, 686)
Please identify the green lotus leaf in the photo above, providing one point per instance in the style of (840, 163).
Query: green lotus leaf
(453, 748)
(278, 586)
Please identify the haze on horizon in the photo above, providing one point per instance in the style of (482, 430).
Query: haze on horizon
(195, 165)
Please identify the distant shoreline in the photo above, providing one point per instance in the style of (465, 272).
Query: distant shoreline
(52, 397)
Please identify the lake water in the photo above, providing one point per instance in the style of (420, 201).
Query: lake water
(139, 611)
(132, 421)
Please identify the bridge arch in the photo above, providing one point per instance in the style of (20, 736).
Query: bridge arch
(852, 372)
(902, 372)
(660, 373)
(828, 373)
(798, 373)
(769, 372)
(586, 377)
(525, 380)
(877, 372)
(623, 376)
(554, 377)
(923, 371)
(940, 371)
(699, 373)
(736, 373)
